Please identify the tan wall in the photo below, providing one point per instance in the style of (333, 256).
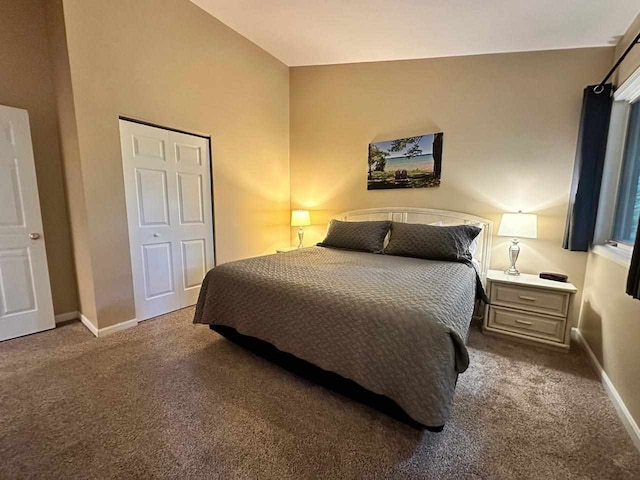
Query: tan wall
(26, 82)
(610, 322)
(510, 126)
(610, 319)
(68, 135)
(170, 63)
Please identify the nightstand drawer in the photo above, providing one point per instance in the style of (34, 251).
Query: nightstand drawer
(533, 300)
(528, 324)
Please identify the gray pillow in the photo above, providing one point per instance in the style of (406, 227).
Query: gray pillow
(360, 236)
(431, 242)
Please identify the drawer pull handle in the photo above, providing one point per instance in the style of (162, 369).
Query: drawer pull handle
(523, 322)
(524, 297)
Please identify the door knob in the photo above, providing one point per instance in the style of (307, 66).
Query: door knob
(34, 236)
(156, 235)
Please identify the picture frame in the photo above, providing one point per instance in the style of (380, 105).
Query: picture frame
(411, 162)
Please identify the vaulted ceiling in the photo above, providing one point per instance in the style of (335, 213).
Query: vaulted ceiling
(315, 32)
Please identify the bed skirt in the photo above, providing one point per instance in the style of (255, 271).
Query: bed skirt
(327, 379)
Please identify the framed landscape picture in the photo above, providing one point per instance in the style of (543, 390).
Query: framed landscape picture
(413, 162)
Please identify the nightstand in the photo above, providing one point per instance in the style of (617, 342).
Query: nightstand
(286, 249)
(528, 308)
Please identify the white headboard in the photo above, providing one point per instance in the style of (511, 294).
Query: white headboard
(428, 216)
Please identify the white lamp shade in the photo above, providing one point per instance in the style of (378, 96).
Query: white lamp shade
(300, 218)
(518, 225)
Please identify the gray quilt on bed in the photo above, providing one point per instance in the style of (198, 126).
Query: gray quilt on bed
(396, 326)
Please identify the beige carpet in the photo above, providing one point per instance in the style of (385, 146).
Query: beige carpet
(169, 399)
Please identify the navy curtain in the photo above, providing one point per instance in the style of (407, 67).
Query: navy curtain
(633, 280)
(588, 167)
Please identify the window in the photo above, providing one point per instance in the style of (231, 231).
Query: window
(627, 210)
(619, 205)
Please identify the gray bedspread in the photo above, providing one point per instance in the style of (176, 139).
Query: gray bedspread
(396, 326)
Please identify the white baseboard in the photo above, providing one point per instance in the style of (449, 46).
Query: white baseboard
(65, 317)
(103, 332)
(621, 409)
(89, 324)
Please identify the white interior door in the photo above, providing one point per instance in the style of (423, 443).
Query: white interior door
(25, 291)
(169, 210)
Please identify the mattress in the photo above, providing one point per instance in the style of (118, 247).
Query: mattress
(394, 325)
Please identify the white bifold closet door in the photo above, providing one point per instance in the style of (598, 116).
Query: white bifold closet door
(167, 178)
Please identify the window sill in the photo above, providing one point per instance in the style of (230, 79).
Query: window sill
(615, 254)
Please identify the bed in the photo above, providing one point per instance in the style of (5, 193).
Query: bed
(395, 327)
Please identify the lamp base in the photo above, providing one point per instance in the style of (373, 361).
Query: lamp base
(300, 236)
(514, 251)
(512, 271)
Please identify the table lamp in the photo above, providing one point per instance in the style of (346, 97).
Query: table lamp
(517, 225)
(300, 218)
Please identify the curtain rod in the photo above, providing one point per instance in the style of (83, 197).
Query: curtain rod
(600, 87)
